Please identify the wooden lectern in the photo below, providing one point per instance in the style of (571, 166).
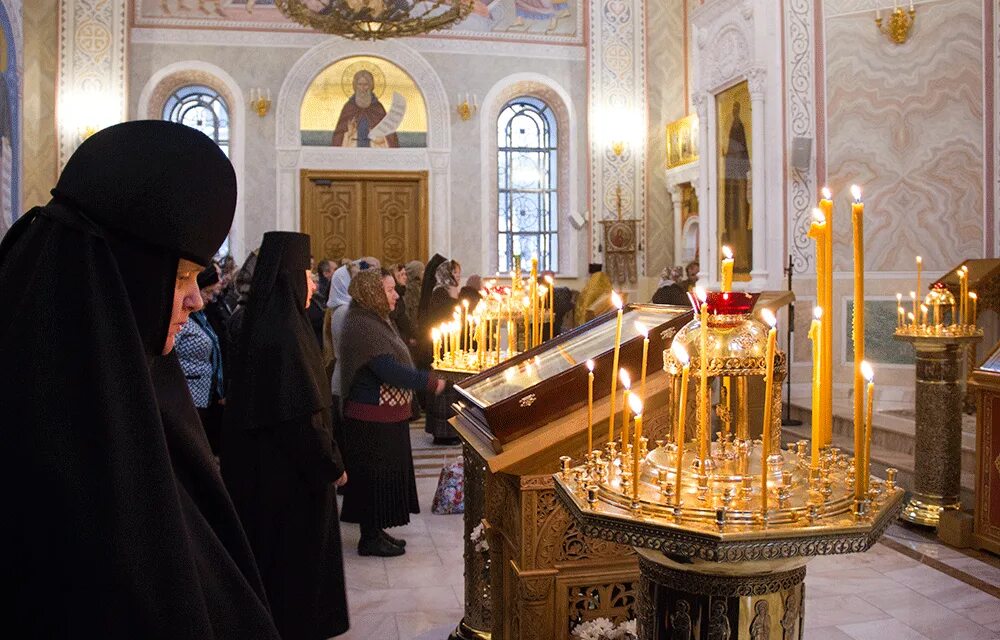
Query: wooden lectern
(985, 381)
(540, 575)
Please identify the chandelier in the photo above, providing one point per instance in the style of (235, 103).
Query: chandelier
(376, 19)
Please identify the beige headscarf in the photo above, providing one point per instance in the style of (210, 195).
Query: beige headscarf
(367, 290)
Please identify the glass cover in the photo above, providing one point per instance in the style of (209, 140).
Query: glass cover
(992, 363)
(561, 356)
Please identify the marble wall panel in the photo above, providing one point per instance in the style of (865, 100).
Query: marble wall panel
(39, 106)
(906, 123)
(665, 76)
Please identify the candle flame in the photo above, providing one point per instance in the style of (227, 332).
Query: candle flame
(465, 303)
(701, 293)
(635, 403)
(548, 279)
(826, 193)
(965, 269)
(543, 291)
(899, 297)
(642, 329)
(909, 316)
(913, 295)
(590, 366)
(435, 333)
(818, 216)
(768, 316)
(625, 378)
(923, 307)
(973, 296)
(616, 300)
(727, 252)
(856, 192)
(680, 353)
(526, 302)
(867, 371)
(919, 260)
(817, 312)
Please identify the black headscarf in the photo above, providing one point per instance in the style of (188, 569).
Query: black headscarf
(280, 367)
(429, 282)
(116, 523)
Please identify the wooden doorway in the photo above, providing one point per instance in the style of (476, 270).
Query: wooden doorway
(349, 214)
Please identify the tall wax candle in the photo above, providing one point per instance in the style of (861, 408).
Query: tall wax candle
(466, 328)
(644, 332)
(681, 355)
(552, 306)
(767, 435)
(857, 218)
(527, 320)
(975, 299)
(819, 231)
(617, 301)
(636, 405)
(916, 311)
(626, 382)
(826, 206)
(727, 268)
(816, 335)
(869, 375)
(899, 311)
(704, 437)
(590, 406)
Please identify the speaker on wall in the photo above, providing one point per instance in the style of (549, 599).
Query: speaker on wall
(577, 219)
(801, 152)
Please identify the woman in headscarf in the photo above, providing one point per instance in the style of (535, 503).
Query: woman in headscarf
(199, 349)
(378, 379)
(279, 459)
(116, 521)
(669, 289)
(442, 305)
(411, 301)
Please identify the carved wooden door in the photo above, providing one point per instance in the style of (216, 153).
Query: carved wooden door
(355, 214)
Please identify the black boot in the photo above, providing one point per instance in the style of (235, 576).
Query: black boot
(379, 547)
(399, 542)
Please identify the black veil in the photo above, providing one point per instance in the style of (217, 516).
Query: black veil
(117, 524)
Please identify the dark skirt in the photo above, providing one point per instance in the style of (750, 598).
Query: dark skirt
(381, 490)
(211, 420)
(439, 411)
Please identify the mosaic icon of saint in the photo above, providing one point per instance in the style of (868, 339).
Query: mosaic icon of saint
(360, 114)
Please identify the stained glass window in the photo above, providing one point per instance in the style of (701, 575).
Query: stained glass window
(202, 108)
(527, 149)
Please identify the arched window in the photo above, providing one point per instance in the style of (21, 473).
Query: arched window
(201, 108)
(527, 150)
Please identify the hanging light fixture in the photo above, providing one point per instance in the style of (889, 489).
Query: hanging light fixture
(376, 19)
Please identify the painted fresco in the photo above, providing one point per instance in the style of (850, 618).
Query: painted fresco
(10, 129)
(541, 19)
(363, 101)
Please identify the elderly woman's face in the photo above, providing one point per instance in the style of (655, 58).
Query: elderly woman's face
(389, 285)
(187, 300)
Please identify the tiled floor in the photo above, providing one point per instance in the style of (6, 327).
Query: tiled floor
(879, 595)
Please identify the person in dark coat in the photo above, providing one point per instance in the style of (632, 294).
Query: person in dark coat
(424, 343)
(217, 308)
(444, 299)
(116, 521)
(378, 379)
(472, 291)
(669, 290)
(279, 459)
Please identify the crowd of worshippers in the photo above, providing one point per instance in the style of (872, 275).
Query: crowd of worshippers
(176, 435)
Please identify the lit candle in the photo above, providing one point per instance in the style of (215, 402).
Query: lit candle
(704, 437)
(816, 335)
(765, 452)
(552, 306)
(819, 230)
(975, 299)
(914, 314)
(965, 293)
(727, 268)
(436, 341)
(626, 381)
(899, 311)
(543, 294)
(527, 329)
(644, 332)
(826, 206)
(466, 327)
(923, 314)
(617, 301)
(534, 302)
(636, 405)
(681, 355)
(869, 375)
(590, 406)
(857, 217)
(911, 318)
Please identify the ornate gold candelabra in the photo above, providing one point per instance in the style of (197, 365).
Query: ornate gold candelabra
(725, 522)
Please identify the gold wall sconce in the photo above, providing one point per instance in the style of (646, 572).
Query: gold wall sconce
(618, 148)
(260, 101)
(467, 107)
(898, 26)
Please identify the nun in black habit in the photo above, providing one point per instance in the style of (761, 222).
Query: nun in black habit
(279, 458)
(116, 521)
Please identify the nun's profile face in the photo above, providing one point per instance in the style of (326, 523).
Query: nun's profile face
(187, 299)
(311, 286)
(389, 285)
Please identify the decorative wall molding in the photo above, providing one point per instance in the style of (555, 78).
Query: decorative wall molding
(617, 106)
(734, 44)
(91, 83)
(800, 118)
(547, 89)
(286, 39)
(995, 41)
(292, 156)
(174, 76)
